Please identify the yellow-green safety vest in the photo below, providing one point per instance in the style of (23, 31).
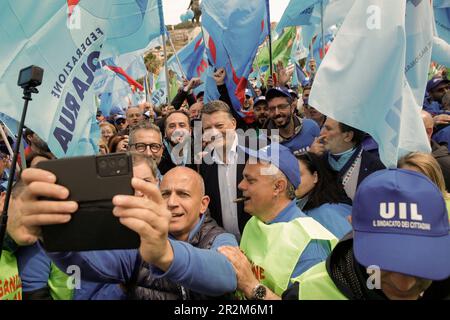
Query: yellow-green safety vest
(57, 282)
(10, 283)
(316, 284)
(274, 249)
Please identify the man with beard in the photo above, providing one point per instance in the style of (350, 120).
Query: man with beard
(436, 89)
(177, 142)
(261, 110)
(146, 138)
(293, 132)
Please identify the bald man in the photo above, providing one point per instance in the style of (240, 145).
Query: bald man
(439, 151)
(178, 237)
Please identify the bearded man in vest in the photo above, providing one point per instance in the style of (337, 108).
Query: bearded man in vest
(280, 241)
(399, 249)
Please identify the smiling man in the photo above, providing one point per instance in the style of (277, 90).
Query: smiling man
(178, 237)
(293, 132)
(280, 241)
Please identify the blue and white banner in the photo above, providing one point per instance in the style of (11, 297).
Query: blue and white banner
(67, 42)
(387, 102)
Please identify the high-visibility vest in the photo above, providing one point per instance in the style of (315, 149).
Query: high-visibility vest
(10, 283)
(58, 283)
(274, 249)
(316, 284)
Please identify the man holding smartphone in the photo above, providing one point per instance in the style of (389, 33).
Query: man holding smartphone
(174, 227)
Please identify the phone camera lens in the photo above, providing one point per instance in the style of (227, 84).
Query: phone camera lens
(103, 164)
(122, 163)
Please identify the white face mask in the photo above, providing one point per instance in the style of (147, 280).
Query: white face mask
(179, 135)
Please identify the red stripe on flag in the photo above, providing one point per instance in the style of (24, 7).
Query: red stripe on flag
(71, 4)
(130, 80)
(241, 85)
(199, 42)
(212, 49)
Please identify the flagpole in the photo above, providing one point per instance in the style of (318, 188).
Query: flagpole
(166, 70)
(321, 26)
(176, 56)
(270, 37)
(163, 30)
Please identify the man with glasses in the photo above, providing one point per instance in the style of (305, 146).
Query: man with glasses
(293, 132)
(146, 138)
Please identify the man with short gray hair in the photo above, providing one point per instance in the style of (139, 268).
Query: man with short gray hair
(280, 241)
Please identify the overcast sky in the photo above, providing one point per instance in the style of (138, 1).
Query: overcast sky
(173, 9)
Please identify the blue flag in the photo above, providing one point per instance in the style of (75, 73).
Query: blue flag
(132, 25)
(386, 103)
(298, 13)
(232, 31)
(442, 19)
(192, 58)
(66, 41)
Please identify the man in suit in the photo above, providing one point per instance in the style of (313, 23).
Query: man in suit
(222, 167)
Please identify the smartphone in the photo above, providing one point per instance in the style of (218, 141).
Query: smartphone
(92, 182)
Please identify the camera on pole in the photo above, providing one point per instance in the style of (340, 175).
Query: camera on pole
(29, 79)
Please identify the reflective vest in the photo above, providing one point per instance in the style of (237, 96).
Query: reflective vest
(58, 284)
(274, 249)
(316, 284)
(10, 283)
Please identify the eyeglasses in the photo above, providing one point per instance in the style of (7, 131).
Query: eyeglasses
(279, 107)
(141, 147)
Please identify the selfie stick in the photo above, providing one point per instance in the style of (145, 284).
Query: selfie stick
(29, 79)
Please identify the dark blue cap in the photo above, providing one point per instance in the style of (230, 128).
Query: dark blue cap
(282, 158)
(277, 92)
(401, 225)
(435, 82)
(260, 99)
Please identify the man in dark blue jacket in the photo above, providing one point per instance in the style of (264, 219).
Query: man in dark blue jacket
(341, 145)
(293, 132)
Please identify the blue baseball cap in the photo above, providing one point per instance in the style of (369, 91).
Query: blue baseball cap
(293, 94)
(282, 158)
(434, 82)
(401, 225)
(115, 110)
(258, 100)
(277, 92)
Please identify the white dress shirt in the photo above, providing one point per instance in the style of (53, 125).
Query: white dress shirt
(227, 186)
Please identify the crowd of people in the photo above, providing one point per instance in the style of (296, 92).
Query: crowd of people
(273, 201)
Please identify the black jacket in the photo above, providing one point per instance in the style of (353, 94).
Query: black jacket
(442, 156)
(166, 161)
(182, 95)
(210, 174)
(369, 164)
